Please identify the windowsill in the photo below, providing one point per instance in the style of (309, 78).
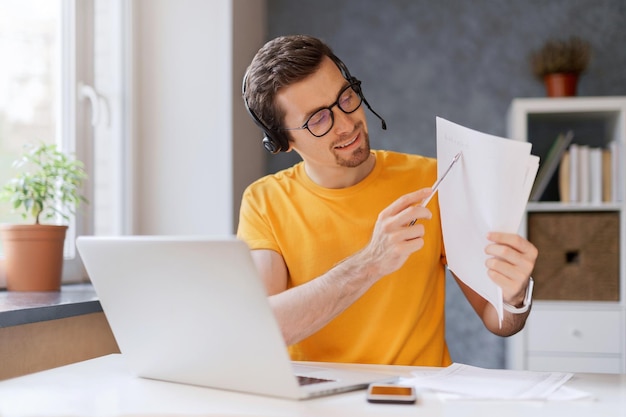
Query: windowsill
(17, 308)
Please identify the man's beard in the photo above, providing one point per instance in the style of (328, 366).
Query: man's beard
(358, 156)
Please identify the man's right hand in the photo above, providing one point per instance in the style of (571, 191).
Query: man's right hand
(393, 240)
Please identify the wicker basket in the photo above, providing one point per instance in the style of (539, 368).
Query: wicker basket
(578, 255)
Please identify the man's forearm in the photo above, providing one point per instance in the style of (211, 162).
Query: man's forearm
(305, 309)
(511, 322)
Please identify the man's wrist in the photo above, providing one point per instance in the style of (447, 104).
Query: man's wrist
(528, 299)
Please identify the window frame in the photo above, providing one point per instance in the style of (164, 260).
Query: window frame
(75, 133)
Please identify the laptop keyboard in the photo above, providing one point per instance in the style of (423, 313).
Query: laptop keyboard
(308, 380)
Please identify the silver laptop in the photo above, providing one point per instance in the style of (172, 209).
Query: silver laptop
(193, 310)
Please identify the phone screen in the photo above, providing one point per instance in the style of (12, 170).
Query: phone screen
(399, 394)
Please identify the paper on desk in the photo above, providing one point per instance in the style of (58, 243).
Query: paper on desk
(486, 191)
(470, 382)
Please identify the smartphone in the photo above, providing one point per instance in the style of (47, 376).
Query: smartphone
(391, 394)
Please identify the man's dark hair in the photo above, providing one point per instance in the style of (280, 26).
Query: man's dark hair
(281, 62)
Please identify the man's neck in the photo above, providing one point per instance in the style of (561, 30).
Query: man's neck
(341, 177)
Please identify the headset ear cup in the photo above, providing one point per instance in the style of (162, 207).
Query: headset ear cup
(270, 145)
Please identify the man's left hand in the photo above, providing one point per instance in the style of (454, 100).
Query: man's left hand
(512, 262)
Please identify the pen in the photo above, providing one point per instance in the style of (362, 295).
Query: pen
(438, 182)
(435, 186)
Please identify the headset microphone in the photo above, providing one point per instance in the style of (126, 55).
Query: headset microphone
(384, 124)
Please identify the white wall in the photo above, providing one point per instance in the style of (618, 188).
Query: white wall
(187, 106)
(249, 33)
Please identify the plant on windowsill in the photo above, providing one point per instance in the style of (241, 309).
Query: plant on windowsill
(47, 189)
(559, 64)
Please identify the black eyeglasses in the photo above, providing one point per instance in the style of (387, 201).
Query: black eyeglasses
(320, 122)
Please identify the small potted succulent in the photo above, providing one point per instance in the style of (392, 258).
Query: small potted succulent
(47, 189)
(559, 64)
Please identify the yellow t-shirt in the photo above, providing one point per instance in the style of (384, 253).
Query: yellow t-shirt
(400, 319)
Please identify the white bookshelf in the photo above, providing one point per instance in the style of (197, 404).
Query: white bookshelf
(562, 334)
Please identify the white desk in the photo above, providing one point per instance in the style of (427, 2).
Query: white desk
(105, 387)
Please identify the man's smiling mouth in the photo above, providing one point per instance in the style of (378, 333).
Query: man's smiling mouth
(346, 144)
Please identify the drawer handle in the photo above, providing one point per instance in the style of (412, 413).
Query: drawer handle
(577, 333)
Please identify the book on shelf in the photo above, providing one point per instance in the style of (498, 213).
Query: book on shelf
(564, 178)
(572, 174)
(617, 171)
(548, 167)
(595, 175)
(607, 176)
(589, 174)
(583, 174)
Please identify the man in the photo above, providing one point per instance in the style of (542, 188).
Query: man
(348, 277)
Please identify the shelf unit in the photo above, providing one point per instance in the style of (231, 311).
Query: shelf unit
(581, 333)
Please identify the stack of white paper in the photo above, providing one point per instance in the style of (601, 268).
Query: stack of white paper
(486, 191)
(460, 381)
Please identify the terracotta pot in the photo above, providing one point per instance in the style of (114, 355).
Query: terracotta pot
(33, 256)
(561, 84)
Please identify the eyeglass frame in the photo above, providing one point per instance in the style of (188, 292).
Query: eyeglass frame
(356, 90)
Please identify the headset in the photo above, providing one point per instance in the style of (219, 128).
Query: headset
(275, 141)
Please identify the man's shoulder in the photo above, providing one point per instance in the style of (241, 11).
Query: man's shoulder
(279, 179)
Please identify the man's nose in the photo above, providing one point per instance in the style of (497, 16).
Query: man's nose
(343, 121)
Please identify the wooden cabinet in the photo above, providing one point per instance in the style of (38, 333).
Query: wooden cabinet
(578, 320)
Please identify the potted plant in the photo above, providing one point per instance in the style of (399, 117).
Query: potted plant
(559, 63)
(47, 189)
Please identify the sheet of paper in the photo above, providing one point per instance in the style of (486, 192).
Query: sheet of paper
(460, 381)
(487, 190)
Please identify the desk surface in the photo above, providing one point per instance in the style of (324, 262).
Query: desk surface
(105, 387)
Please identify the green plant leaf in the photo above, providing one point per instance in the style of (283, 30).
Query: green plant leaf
(49, 184)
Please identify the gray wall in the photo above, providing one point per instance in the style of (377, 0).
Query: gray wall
(461, 60)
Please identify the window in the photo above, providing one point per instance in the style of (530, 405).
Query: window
(29, 46)
(46, 54)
